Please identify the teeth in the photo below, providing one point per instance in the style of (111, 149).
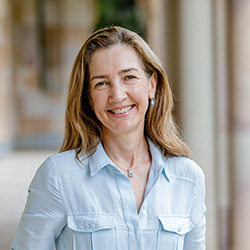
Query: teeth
(121, 111)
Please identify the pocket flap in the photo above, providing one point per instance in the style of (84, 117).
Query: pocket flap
(91, 222)
(179, 225)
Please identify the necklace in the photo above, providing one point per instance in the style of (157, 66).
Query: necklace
(129, 170)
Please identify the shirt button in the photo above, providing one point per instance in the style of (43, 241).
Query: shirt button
(90, 226)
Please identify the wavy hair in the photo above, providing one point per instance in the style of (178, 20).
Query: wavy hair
(83, 129)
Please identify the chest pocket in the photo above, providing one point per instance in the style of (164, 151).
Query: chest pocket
(172, 232)
(92, 231)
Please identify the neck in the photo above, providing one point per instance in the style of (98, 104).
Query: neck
(125, 150)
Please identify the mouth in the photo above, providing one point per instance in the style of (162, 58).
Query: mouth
(122, 110)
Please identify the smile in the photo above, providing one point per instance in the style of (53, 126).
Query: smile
(121, 111)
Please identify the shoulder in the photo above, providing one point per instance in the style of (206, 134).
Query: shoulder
(61, 166)
(183, 168)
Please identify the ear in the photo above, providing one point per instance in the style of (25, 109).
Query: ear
(153, 80)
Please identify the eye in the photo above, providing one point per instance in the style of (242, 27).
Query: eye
(129, 77)
(101, 84)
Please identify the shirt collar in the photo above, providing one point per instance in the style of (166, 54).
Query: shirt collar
(159, 162)
(100, 159)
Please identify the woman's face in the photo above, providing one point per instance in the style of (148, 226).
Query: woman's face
(120, 89)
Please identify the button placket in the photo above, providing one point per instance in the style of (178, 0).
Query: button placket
(129, 211)
(90, 226)
(143, 216)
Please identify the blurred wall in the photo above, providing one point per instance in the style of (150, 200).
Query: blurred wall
(6, 84)
(206, 52)
(39, 42)
(240, 121)
(204, 46)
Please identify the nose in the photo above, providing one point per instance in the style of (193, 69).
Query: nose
(117, 92)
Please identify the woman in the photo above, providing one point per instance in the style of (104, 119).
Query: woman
(123, 179)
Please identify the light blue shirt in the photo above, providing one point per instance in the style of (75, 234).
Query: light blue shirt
(93, 206)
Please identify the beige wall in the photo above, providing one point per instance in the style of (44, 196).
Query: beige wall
(197, 100)
(207, 58)
(222, 146)
(205, 49)
(45, 41)
(6, 105)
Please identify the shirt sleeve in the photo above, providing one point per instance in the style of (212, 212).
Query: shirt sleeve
(195, 239)
(43, 218)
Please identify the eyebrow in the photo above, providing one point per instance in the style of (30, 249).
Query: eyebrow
(120, 72)
(127, 70)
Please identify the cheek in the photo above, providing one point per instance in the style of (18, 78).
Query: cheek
(142, 91)
(97, 102)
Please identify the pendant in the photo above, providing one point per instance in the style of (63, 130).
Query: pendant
(130, 174)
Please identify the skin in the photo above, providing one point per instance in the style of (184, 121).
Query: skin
(120, 91)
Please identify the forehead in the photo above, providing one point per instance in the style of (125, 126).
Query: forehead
(116, 57)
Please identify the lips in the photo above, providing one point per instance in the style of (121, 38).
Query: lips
(122, 110)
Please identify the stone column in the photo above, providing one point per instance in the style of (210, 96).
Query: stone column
(156, 27)
(240, 123)
(6, 111)
(46, 36)
(160, 19)
(222, 121)
(196, 84)
(77, 22)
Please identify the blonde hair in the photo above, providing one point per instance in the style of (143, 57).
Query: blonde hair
(83, 129)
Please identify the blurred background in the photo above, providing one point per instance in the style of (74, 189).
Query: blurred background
(205, 49)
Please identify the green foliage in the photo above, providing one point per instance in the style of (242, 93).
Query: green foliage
(123, 13)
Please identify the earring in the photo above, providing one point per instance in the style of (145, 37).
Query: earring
(152, 103)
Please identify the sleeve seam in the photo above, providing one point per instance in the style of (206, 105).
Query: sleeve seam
(58, 183)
